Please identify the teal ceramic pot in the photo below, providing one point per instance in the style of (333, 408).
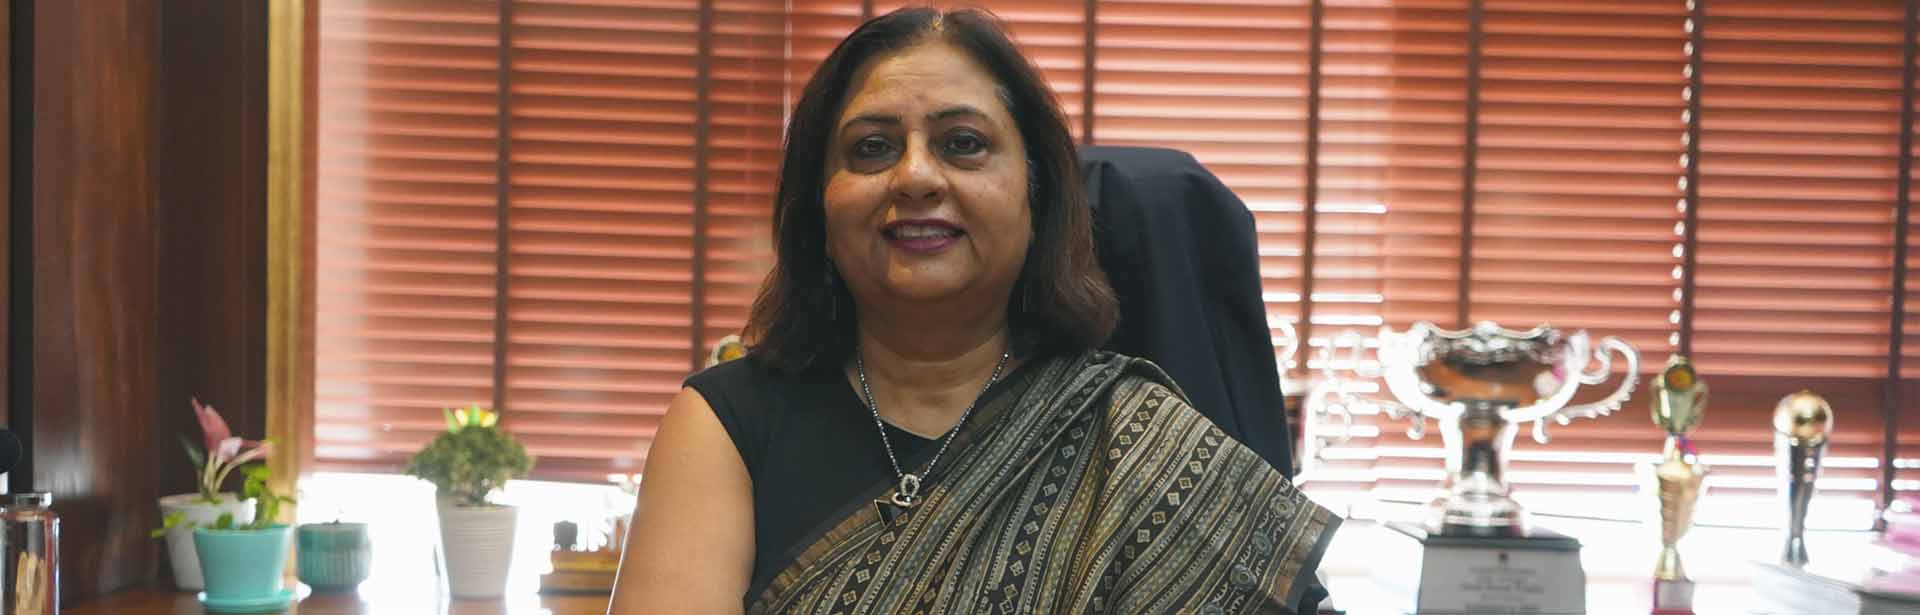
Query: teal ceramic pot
(243, 564)
(334, 556)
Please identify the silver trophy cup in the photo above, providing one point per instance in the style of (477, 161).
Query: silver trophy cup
(1481, 384)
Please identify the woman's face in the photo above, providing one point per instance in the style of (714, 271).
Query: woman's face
(926, 188)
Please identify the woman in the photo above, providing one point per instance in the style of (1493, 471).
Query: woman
(922, 424)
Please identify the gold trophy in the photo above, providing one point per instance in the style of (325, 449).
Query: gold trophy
(727, 349)
(1801, 424)
(1679, 402)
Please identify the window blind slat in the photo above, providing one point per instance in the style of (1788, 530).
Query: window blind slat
(404, 236)
(1799, 122)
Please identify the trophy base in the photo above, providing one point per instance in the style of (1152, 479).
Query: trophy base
(1672, 597)
(1530, 570)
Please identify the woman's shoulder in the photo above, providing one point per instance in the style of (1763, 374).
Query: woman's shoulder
(742, 371)
(744, 378)
(749, 398)
(1136, 374)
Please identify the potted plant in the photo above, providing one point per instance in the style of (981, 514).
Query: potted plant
(467, 463)
(244, 563)
(222, 455)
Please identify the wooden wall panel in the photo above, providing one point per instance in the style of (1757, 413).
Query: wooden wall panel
(138, 241)
(209, 222)
(93, 284)
(6, 190)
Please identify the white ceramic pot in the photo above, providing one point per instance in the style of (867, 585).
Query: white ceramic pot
(180, 550)
(478, 543)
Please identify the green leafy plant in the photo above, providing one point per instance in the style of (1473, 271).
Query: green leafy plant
(473, 458)
(266, 512)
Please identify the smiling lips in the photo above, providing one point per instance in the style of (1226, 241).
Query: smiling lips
(925, 236)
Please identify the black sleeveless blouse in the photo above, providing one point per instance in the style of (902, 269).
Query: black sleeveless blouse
(809, 445)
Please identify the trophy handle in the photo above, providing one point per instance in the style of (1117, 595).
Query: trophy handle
(1327, 399)
(1416, 430)
(1417, 418)
(1292, 344)
(1358, 343)
(1595, 376)
(1332, 386)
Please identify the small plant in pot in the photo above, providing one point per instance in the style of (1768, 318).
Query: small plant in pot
(244, 564)
(468, 462)
(223, 454)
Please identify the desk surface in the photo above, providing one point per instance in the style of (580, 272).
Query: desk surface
(150, 601)
(1616, 559)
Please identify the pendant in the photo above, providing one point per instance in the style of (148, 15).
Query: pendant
(908, 491)
(900, 501)
(886, 510)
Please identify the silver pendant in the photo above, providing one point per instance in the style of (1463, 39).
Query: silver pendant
(908, 492)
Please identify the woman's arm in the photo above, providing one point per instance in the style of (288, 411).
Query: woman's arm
(690, 549)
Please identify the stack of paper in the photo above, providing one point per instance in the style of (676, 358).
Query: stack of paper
(1839, 588)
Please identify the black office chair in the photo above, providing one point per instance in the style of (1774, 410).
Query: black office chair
(1181, 251)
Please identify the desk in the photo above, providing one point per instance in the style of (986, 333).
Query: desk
(158, 601)
(1618, 560)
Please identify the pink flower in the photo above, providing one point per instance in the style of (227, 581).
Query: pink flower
(212, 427)
(229, 448)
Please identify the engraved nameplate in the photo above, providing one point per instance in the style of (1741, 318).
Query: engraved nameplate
(1499, 576)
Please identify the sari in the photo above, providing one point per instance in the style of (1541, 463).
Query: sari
(1090, 487)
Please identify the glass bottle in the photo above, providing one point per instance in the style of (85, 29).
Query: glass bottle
(30, 556)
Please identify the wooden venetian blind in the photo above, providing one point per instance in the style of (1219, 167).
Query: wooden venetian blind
(814, 27)
(1227, 83)
(1052, 33)
(610, 194)
(407, 154)
(557, 205)
(1574, 221)
(1907, 456)
(601, 203)
(751, 94)
(1799, 156)
(1392, 131)
(1579, 114)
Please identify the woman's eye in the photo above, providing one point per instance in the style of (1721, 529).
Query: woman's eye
(871, 147)
(965, 144)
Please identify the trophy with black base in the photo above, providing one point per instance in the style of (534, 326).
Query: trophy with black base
(1479, 553)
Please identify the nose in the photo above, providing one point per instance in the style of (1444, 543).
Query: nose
(917, 178)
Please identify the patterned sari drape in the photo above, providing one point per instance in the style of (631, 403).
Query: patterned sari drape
(1093, 487)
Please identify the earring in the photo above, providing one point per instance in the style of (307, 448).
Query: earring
(833, 298)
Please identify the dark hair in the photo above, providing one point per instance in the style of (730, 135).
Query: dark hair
(1061, 303)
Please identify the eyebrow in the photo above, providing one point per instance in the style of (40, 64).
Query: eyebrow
(936, 116)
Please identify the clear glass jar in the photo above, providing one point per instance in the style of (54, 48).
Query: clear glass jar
(29, 556)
